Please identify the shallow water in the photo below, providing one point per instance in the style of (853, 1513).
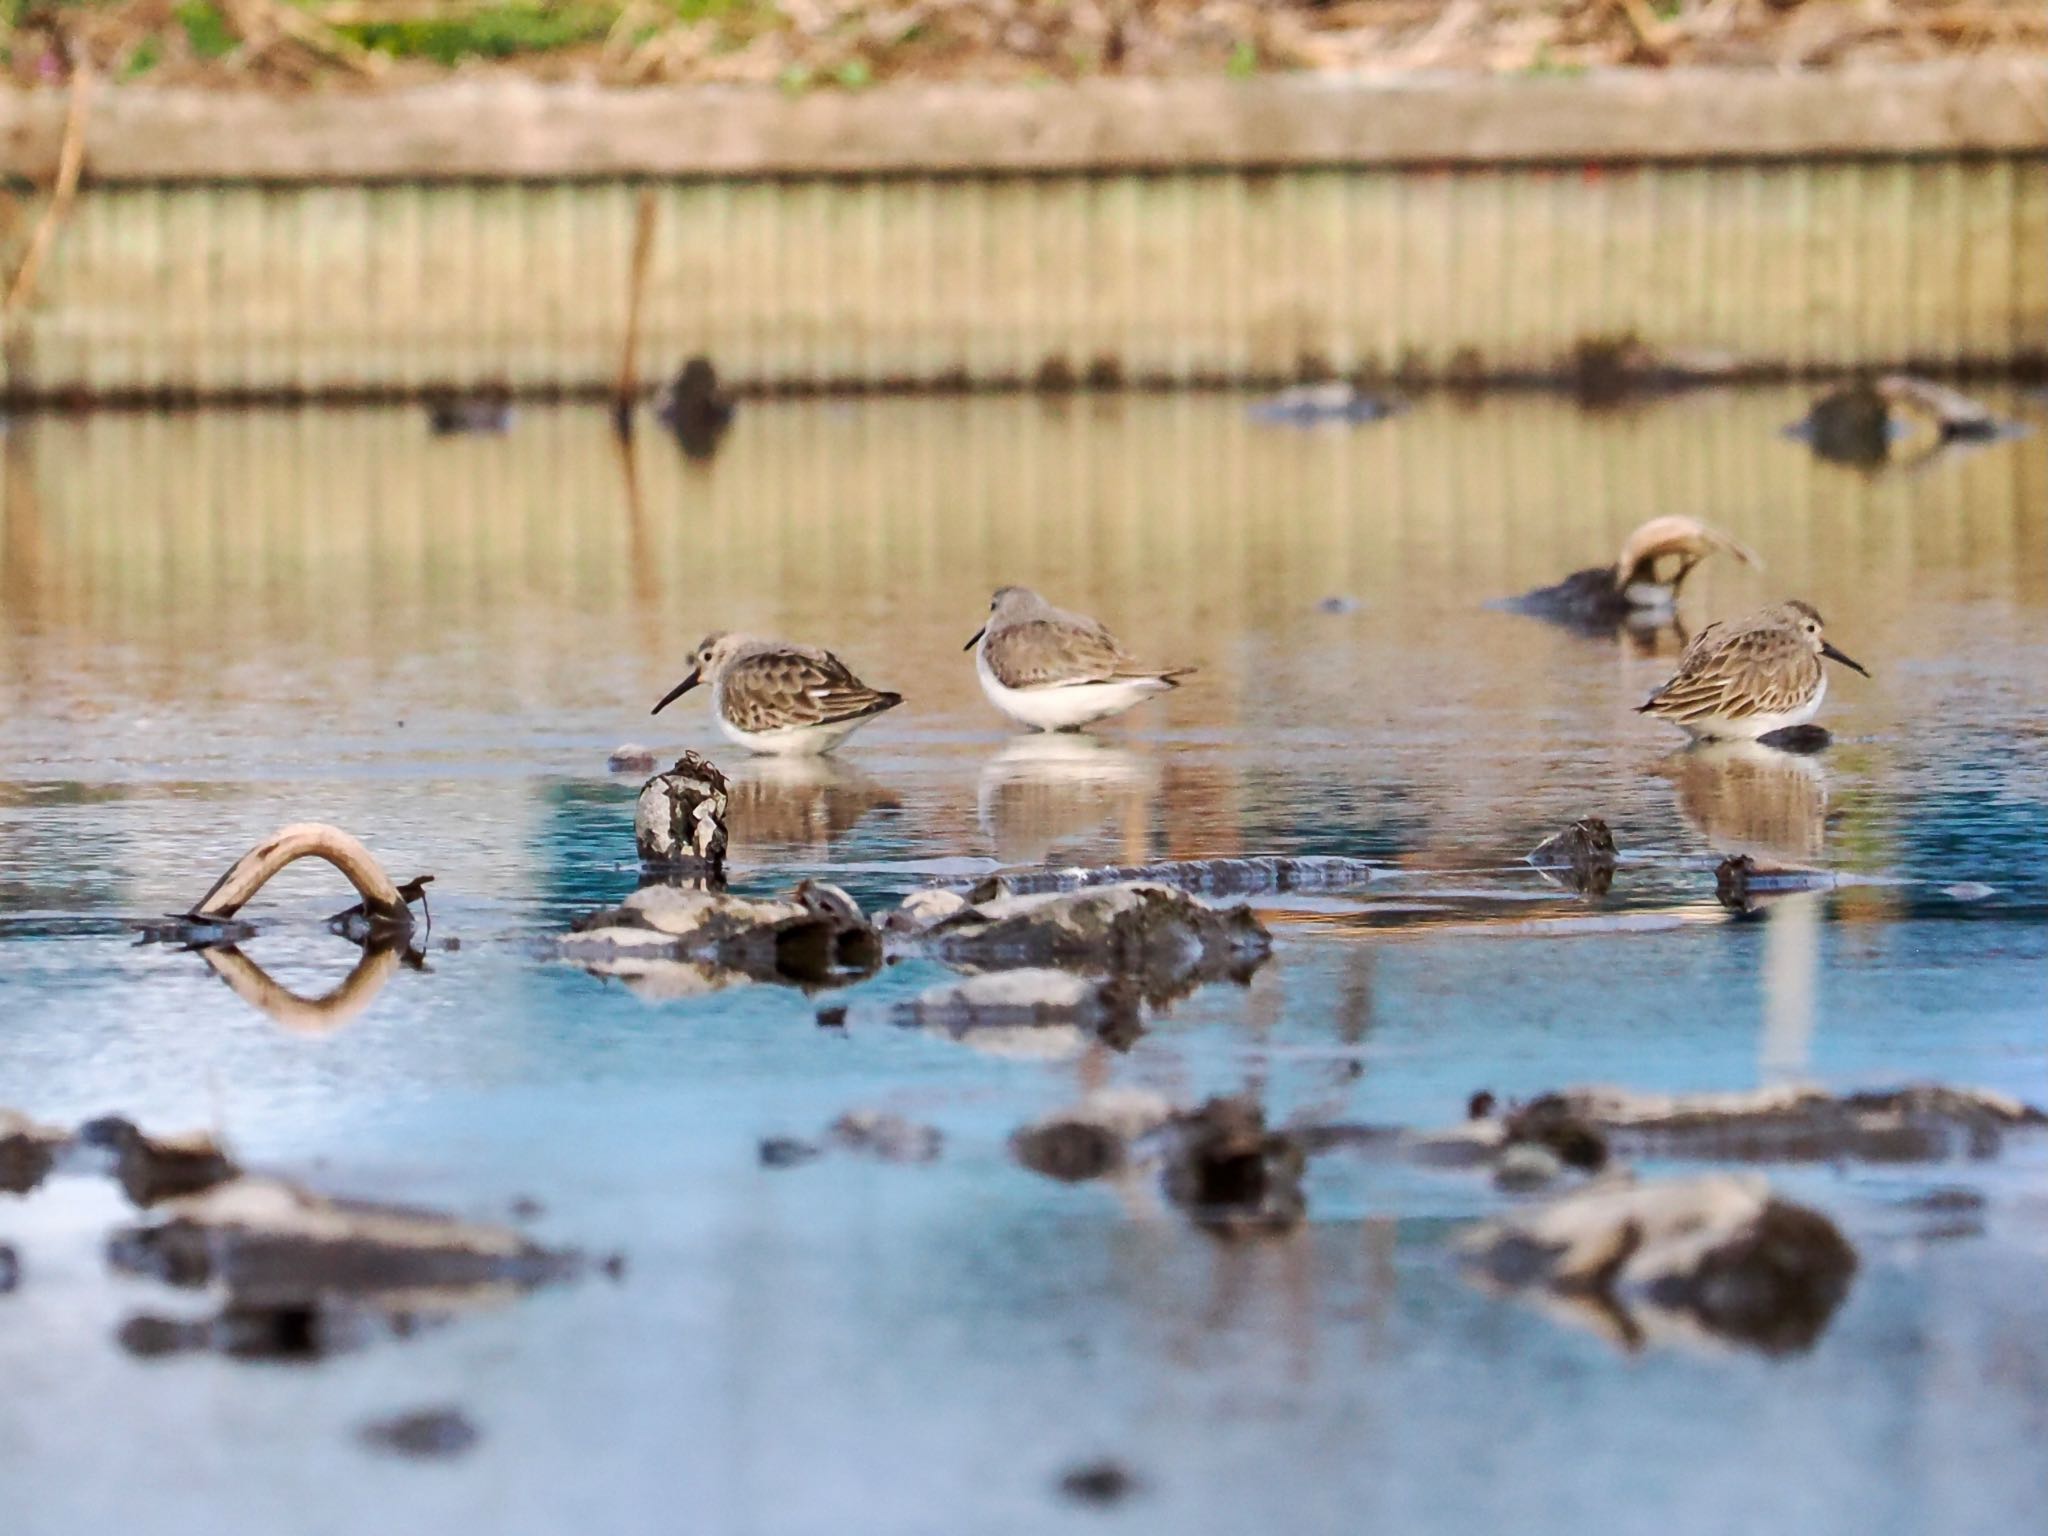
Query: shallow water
(215, 624)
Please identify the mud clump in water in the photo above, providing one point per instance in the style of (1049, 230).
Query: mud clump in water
(1233, 1176)
(1099, 1483)
(429, 1434)
(155, 1168)
(27, 1151)
(1583, 854)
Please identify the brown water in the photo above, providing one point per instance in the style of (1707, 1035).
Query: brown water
(210, 625)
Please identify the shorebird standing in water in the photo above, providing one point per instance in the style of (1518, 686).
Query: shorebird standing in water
(1642, 584)
(1744, 680)
(1057, 671)
(784, 700)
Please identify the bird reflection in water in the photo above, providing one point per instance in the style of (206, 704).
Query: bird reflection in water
(799, 804)
(1745, 797)
(1043, 790)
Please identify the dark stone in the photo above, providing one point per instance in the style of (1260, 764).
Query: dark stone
(1072, 1151)
(25, 1160)
(832, 1017)
(1099, 1483)
(1481, 1105)
(1851, 425)
(1583, 854)
(1552, 1122)
(1233, 1176)
(487, 414)
(1775, 1287)
(10, 1269)
(787, 1152)
(696, 409)
(429, 1433)
(680, 817)
(152, 1170)
(1801, 740)
(1731, 881)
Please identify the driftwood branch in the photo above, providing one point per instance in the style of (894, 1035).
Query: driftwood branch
(70, 166)
(383, 901)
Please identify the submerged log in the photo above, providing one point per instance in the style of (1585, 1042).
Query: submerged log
(1720, 1253)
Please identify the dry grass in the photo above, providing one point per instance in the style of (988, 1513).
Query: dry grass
(853, 43)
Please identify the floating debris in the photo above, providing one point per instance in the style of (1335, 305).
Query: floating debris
(1162, 936)
(27, 1151)
(695, 940)
(1918, 1123)
(1740, 879)
(1895, 419)
(1099, 1483)
(1719, 1253)
(1018, 1008)
(696, 408)
(631, 758)
(1583, 853)
(1233, 1176)
(427, 1434)
(890, 1137)
(680, 817)
(155, 1168)
(1334, 403)
(1640, 588)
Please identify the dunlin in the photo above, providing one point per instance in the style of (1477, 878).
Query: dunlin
(1745, 679)
(1057, 671)
(1643, 582)
(777, 698)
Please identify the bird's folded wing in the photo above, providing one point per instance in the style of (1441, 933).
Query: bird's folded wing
(786, 688)
(1044, 653)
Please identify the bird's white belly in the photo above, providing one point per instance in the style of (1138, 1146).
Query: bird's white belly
(791, 740)
(1750, 727)
(1067, 707)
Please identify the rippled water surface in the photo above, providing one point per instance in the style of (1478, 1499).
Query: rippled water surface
(211, 625)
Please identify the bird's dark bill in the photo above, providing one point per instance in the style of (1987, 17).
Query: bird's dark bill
(678, 691)
(1848, 661)
(970, 645)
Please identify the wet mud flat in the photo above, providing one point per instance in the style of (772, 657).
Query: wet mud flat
(1021, 1136)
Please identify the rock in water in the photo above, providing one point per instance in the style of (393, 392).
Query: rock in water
(1233, 1176)
(1164, 938)
(154, 1168)
(680, 817)
(1583, 852)
(26, 1152)
(1719, 1253)
(814, 936)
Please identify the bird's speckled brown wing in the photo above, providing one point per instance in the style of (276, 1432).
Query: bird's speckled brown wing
(1053, 653)
(777, 689)
(1732, 674)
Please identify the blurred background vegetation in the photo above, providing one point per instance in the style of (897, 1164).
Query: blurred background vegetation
(850, 44)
